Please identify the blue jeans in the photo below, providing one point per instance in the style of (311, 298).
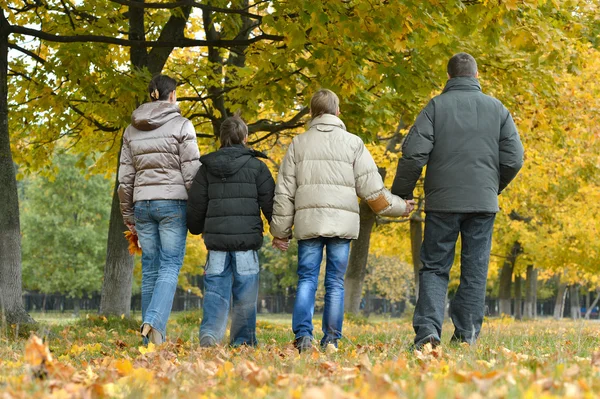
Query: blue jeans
(230, 274)
(162, 231)
(437, 256)
(310, 255)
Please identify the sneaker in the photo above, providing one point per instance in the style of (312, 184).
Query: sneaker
(303, 343)
(333, 342)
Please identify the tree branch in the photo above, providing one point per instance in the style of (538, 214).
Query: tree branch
(184, 3)
(264, 125)
(124, 42)
(27, 52)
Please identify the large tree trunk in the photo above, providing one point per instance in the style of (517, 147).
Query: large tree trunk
(357, 261)
(559, 306)
(11, 302)
(506, 273)
(518, 298)
(416, 240)
(575, 305)
(530, 293)
(118, 271)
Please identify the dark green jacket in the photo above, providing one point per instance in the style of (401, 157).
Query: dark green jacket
(227, 195)
(471, 147)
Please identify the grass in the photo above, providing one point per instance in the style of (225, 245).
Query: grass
(102, 357)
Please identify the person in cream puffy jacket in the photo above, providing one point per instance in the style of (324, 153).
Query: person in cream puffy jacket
(323, 172)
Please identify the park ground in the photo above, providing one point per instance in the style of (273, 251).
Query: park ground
(95, 357)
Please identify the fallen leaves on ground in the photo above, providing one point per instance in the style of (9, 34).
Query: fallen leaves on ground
(533, 359)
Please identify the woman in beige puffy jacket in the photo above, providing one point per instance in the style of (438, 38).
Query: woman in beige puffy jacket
(323, 172)
(159, 160)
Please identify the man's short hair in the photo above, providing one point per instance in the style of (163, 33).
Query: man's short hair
(233, 131)
(324, 102)
(462, 64)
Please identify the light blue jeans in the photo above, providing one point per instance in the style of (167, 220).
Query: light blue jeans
(310, 255)
(162, 231)
(230, 274)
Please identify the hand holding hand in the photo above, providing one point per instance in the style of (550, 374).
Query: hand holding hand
(410, 206)
(281, 244)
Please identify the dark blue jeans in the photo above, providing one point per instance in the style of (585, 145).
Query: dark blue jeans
(310, 255)
(437, 256)
(230, 274)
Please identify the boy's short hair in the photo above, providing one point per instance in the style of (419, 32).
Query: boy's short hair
(324, 102)
(233, 131)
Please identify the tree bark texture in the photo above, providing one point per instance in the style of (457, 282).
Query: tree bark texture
(506, 273)
(559, 306)
(11, 301)
(359, 255)
(530, 293)
(518, 298)
(574, 302)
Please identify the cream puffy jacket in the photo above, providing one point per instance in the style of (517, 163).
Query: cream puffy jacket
(159, 157)
(323, 172)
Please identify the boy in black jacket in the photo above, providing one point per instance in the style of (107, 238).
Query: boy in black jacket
(225, 200)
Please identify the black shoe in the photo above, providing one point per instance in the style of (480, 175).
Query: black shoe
(431, 339)
(303, 343)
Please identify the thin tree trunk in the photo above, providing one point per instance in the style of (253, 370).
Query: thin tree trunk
(506, 273)
(11, 301)
(559, 306)
(530, 291)
(574, 302)
(588, 312)
(518, 298)
(416, 240)
(357, 260)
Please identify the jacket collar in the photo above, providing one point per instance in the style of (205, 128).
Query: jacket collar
(327, 119)
(462, 83)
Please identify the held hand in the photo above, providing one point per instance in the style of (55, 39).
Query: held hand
(410, 206)
(281, 244)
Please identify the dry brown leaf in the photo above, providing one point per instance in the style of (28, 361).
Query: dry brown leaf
(596, 358)
(365, 362)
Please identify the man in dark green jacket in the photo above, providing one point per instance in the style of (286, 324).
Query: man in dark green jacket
(472, 150)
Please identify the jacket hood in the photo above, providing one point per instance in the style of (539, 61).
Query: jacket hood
(325, 122)
(228, 160)
(150, 116)
(462, 83)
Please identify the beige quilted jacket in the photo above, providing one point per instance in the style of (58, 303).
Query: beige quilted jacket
(159, 157)
(323, 172)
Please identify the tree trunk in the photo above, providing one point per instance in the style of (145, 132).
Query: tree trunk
(357, 261)
(518, 298)
(11, 301)
(530, 293)
(574, 302)
(506, 273)
(416, 239)
(559, 306)
(589, 309)
(118, 271)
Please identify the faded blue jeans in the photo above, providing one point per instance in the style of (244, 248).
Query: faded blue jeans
(230, 274)
(310, 255)
(162, 231)
(437, 256)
